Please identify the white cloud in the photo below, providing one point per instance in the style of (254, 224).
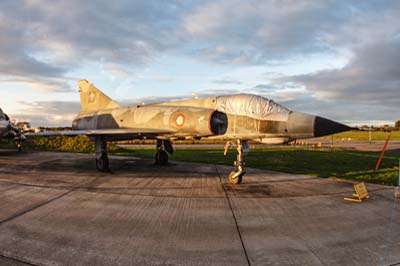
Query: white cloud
(43, 42)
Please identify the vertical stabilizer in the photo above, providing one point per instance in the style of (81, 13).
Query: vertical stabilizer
(92, 99)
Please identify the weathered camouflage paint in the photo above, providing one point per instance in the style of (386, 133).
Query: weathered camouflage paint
(183, 122)
(217, 117)
(244, 127)
(248, 128)
(197, 123)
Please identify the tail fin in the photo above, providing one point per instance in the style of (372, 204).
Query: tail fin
(92, 99)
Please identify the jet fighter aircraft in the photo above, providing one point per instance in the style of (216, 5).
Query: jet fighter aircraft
(233, 118)
(9, 131)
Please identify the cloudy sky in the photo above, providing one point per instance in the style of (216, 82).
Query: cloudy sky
(338, 59)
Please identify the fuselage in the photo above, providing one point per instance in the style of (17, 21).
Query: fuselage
(4, 124)
(7, 129)
(242, 116)
(3, 128)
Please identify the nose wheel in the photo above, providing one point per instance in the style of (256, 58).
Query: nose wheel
(242, 147)
(235, 177)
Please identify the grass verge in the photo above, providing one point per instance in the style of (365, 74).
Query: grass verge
(350, 165)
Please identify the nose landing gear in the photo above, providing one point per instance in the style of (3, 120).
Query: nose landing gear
(242, 147)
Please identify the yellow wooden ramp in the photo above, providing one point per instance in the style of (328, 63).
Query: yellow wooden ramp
(361, 193)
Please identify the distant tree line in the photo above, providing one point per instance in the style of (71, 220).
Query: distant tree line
(79, 144)
(384, 128)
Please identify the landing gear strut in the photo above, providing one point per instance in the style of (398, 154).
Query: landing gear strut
(19, 146)
(242, 147)
(18, 141)
(102, 164)
(162, 147)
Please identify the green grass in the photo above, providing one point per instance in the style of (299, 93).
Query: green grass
(7, 144)
(79, 144)
(364, 135)
(337, 163)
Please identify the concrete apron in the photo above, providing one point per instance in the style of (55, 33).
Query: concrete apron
(56, 209)
(397, 192)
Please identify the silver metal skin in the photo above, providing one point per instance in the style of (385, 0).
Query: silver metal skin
(234, 118)
(9, 131)
(4, 124)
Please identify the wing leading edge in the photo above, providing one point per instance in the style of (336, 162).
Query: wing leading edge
(151, 132)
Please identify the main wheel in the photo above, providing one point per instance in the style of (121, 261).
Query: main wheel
(234, 178)
(102, 163)
(161, 157)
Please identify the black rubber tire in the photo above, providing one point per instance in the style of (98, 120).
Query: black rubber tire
(161, 157)
(102, 163)
(235, 180)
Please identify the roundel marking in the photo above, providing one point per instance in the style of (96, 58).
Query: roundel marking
(180, 120)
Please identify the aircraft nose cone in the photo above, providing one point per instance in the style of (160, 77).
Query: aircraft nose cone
(323, 127)
(302, 125)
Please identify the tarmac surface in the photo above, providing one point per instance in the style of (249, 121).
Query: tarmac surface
(55, 209)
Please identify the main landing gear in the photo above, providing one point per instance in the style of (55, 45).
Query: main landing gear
(100, 148)
(242, 147)
(163, 147)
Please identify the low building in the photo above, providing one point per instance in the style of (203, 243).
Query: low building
(24, 126)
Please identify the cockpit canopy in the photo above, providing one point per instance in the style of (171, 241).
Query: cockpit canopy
(251, 105)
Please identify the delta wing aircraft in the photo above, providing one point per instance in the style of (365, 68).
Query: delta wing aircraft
(9, 131)
(233, 118)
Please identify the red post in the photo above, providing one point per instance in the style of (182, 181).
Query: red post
(378, 163)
